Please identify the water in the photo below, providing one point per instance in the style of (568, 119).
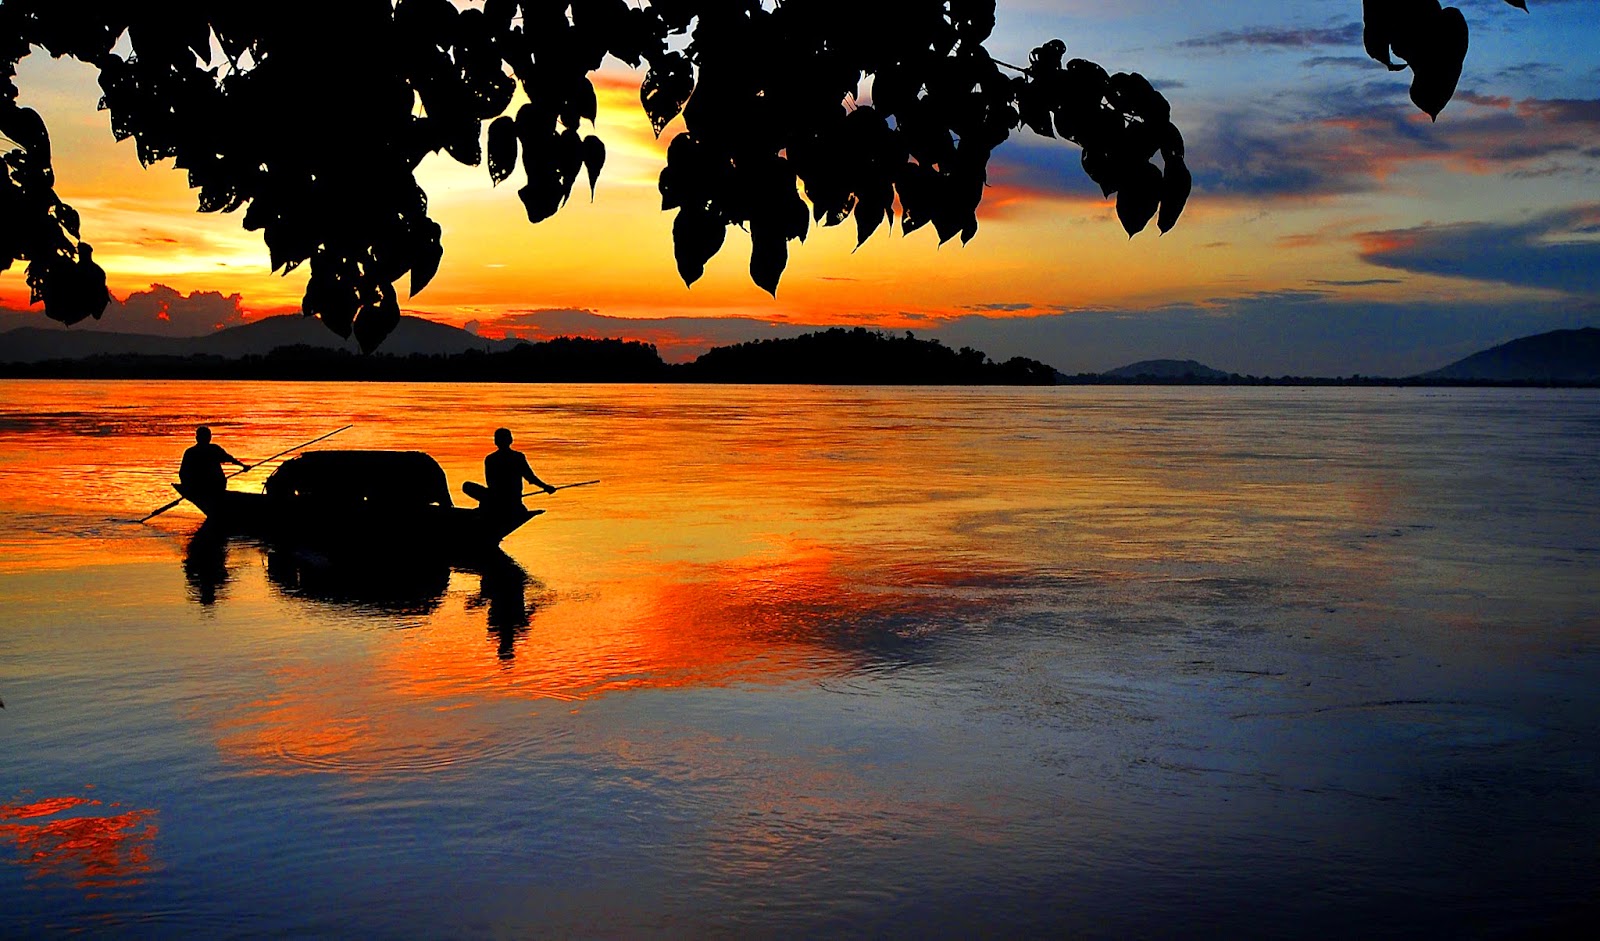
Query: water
(1107, 662)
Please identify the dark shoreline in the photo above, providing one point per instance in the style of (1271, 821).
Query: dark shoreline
(254, 369)
(837, 356)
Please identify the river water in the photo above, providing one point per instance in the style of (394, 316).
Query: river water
(1106, 662)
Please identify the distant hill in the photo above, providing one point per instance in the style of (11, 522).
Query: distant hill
(856, 356)
(1557, 356)
(1166, 369)
(414, 335)
(860, 356)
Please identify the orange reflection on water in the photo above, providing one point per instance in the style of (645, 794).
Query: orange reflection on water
(747, 620)
(94, 852)
(785, 615)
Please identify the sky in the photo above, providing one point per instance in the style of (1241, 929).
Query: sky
(1334, 229)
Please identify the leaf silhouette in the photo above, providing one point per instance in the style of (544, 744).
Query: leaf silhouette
(378, 316)
(1429, 38)
(769, 254)
(594, 159)
(1175, 185)
(1138, 196)
(1437, 70)
(502, 149)
(697, 234)
(667, 86)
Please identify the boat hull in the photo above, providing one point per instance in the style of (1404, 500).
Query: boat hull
(443, 531)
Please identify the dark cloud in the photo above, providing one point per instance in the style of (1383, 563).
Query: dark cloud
(1042, 166)
(1363, 282)
(1345, 34)
(1553, 251)
(998, 307)
(166, 312)
(1343, 62)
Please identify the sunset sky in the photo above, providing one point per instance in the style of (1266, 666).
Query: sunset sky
(1334, 228)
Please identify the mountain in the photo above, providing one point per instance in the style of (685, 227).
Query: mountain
(1166, 369)
(258, 338)
(1557, 356)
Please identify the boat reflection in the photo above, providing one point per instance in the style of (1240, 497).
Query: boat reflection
(376, 584)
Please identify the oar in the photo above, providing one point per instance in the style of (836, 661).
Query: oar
(537, 493)
(252, 467)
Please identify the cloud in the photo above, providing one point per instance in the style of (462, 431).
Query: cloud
(1555, 251)
(1360, 283)
(1345, 34)
(166, 312)
(159, 311)
(1373, 133)
(1343, 62)
(998, 308)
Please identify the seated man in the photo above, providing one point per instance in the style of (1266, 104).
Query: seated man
(505, 470)
(201, 471)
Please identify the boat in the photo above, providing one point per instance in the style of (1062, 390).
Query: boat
(368, 500)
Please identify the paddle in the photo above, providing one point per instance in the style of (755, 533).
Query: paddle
(244, 470)
(540, 493)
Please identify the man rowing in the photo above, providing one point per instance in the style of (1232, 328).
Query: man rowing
(504, 470)
(200, 474)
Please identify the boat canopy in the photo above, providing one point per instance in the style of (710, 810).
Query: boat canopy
(386, 478)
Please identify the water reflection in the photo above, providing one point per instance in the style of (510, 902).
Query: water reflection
(376, 584)
(95, 852)
(205, 566)
(503, 589)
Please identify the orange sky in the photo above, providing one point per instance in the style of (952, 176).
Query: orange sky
(614, 255)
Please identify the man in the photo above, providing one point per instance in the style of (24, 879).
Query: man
(505, 470)
(201, 470)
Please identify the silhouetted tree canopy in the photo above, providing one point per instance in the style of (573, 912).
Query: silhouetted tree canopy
(304, 114)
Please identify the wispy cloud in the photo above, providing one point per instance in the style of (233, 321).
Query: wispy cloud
(1556, 251)
(1344, 34)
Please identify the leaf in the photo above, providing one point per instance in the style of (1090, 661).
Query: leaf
(1175, 186)
(331, 293)
(425, 262)
(502, 149)
(580, 104)
(72, 288)
(666, 89)
(873, 205)
(24, 126)
(697, 235)
(499, 12)
(594, 159)
(1376, 30)
(769, 254)
(1436, 73)
(377, 318)
(1138, 197)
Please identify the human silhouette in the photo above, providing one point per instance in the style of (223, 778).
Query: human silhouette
(205, 565)
(503, 587)
(504, 470)
(201, 471)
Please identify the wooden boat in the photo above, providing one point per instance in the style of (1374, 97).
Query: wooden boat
(385, 500)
